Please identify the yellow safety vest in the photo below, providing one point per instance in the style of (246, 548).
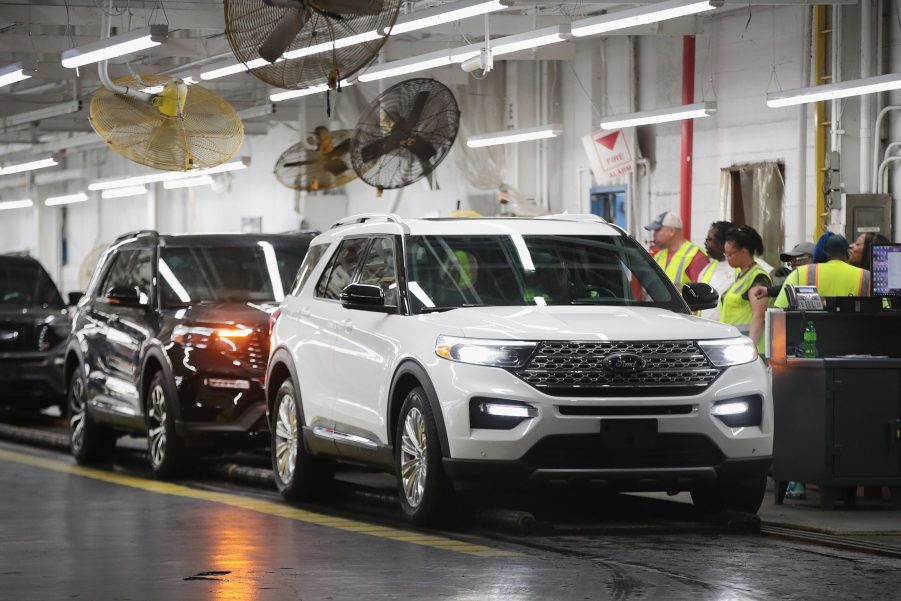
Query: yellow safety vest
(707, 274)
(834, 278)
(675, 268)
(736, 310)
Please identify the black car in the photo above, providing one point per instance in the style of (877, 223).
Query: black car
(34, 325)
(171, 341)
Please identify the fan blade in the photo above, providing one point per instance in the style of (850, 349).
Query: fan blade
(350, 7)
(382, 146)
(336, 166)
(315, 161)
(282, 35)
(422, 150)
(418, 106)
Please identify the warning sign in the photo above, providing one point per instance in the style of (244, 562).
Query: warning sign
(609, 155)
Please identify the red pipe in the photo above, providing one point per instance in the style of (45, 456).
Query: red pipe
(688, 97)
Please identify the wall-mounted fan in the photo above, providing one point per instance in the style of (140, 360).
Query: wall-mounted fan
(405, 133)
(320, 163)
(162, 123)
(297, 37)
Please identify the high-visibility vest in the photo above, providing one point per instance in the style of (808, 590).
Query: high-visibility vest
(735, 310)
(707, 274)
(834, 278)
(675, 267)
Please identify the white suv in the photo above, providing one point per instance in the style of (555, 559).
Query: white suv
(459, 352)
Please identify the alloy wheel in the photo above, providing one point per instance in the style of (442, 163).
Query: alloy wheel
(413, 457)
(157, 431)
(286, 438)
(77, 414)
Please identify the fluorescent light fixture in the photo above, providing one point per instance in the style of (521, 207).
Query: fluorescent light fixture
(278, 96)
(842, 89)
(16, 204)
(123, 192)
(530, 39)
(678, 113)
(190, 182)
(66, 200)
(423, 62)
(512, 136)
(127, 43)
(643, 15)
(12, 73)
(55, 110)
(30, 166)
(446, 13)
(352, 40)
(230, 68)
(165, 176)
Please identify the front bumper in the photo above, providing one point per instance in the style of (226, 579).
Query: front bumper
(692, 444)
(34, 379)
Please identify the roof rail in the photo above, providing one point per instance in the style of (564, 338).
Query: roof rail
(364, 217)
(135, 234)
(575, 217)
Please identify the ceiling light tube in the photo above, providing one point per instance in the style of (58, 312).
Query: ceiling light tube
(224, 69)
(166, 176)
(344, 42)
(643, 15)
(66, 200)
(30, 166)
(15, 204)
(279, 95)
(530, 39)
(105, 49)
(13, 73)
(513, 136)
(678, 113)
(423, 62)
(190, 182)
(123, 192)
(842, 89)
(446, 13)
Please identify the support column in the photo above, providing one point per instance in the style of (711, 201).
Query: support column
(688, 97)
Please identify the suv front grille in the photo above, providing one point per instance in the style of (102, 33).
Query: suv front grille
(587, 451)
(578, 369)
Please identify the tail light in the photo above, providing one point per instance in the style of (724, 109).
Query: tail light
(273, 317)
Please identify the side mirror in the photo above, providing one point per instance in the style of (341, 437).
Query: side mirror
(74, 297)
(365, 297)
(700, 296)
(124, 296)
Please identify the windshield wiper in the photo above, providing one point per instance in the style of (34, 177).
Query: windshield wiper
(463, 306)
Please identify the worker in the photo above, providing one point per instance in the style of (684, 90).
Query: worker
(743, 245)
(682, 260)
(862, 249)
(718, 273)
(801, 254)
(835, 277)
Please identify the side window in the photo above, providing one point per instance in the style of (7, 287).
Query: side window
(117, 273)
(140, 274)
(306, 268)
(340, 271)
(380, 269)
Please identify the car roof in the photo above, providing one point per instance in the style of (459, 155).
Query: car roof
(233, 239)
(571, 225)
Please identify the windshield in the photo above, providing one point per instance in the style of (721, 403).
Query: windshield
(512, 270)
(24, 283)
(256, 272)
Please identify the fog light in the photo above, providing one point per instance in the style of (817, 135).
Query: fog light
(730, 408)
(498, 414)
(230, 384)
(741, 412)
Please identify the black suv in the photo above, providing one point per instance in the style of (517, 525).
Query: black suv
(34, 325)
(171, 341)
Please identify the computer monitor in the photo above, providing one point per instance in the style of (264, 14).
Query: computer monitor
(886, 270)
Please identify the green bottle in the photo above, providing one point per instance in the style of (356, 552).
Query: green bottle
(810, 341)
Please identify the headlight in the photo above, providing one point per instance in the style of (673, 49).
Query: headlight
(204, 337)
(479, 351)
(731, 351)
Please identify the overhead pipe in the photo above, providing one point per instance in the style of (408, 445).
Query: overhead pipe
(866, 70)
(688, 97)
(873, 167)
(806, 45)
(883, 173)
(103, 66)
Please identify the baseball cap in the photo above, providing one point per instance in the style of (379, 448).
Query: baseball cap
(665, 219)
(803, 248)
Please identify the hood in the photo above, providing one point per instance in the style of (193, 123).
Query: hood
(255, 315)
(32, 315)
(579, 323)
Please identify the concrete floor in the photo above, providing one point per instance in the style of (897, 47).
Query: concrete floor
(68, 532)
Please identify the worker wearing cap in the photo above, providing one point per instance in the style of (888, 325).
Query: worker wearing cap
(801, 254)
(835, 277)
(682, 260)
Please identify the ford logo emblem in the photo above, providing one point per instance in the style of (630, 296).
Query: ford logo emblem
(625, 363)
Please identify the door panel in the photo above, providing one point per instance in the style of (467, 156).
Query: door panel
(867, 405)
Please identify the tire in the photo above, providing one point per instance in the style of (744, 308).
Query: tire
(731, 495)
(91, 443)
(299, 475)
(168, 457)
(423, 488)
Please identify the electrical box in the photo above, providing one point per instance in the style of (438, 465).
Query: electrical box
(867, 213)
(609, 203)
